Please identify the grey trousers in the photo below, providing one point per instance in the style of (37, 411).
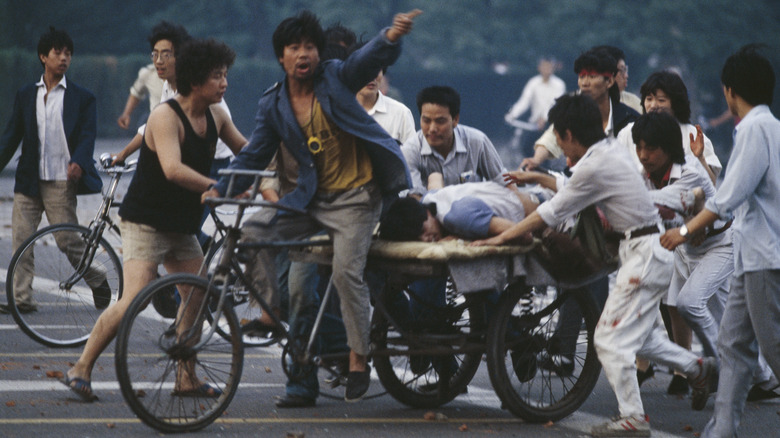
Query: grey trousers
(752, 318)
(349, 218)
(58, 200)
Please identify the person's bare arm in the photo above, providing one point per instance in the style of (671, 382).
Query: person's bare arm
(227, 129)
(164, 134)
(518, 231)
(124, 119)
(128, 150)
(541, 154)
(521, 177)
(697, 147)
(435, 181)
(672, 238)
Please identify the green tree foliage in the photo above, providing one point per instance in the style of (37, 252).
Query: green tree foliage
(455, 41)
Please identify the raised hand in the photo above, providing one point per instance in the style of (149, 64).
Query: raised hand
(697, 144)
(402, 25)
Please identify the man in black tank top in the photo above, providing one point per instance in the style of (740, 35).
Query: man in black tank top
(161, 211)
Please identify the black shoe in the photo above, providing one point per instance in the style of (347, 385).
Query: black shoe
(357, 385)
(295, 401)
(419, 363)
(21, 308)
(257, 329)
(757, 393)
(524, 365)
(560, 364)
(678, 386)
(102, 295)
(641, 376)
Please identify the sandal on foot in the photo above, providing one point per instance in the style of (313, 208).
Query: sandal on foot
(203, 391)
(80, 387)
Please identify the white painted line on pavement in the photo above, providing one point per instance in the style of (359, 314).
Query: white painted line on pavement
(30, 386)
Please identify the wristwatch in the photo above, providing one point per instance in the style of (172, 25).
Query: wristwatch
(684, 231)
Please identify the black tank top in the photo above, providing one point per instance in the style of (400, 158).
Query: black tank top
(153, 200)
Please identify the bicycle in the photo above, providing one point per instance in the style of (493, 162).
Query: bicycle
(81, 274)
(205, 339)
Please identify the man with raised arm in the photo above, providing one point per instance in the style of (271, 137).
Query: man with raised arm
(347, 162)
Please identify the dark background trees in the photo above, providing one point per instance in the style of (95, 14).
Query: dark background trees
(464, 43)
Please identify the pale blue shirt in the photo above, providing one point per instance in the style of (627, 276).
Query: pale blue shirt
(473, 158)
(52, 143)
(750, 192)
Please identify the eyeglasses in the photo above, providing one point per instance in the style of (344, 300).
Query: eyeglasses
(164, 55)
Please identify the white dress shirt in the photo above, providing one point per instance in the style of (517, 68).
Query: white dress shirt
(53, 145)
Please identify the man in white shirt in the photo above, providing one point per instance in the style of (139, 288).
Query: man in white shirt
(538, 95)
(392, 115)
(55, 122)
(603, 174)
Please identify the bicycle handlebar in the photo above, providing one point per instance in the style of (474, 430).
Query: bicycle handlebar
(106, 159)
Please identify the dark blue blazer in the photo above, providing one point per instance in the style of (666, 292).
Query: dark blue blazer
(79, 117)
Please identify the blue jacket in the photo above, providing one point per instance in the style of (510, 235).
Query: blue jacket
(79, 117)
(335, 85)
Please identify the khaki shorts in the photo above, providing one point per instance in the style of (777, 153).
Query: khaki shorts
(143, 242)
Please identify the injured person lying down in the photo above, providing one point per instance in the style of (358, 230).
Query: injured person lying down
(469, 211)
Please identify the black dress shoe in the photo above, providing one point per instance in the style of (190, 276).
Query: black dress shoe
(641, 376)
(757, 393)
(295, 401)
(678, 385)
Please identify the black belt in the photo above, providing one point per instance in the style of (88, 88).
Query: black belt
(645, 231)
(716, 231)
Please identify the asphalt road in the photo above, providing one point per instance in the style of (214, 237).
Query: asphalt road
(34, 404)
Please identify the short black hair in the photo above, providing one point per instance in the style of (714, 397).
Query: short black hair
(440, 95)
(404, 218)
(341, 35)
(750, 75)
(659, 129)
(613, 51)
(198, 59)
(579, 114)
(600, 60)
(175, 33)
(673, 86)
(54, 39)
(304, 26)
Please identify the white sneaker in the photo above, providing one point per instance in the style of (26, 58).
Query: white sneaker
(635, 425)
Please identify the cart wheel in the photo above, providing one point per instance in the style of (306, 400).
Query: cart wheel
(426, 381)
(543, 365)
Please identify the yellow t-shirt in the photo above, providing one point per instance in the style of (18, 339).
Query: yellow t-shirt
(341, 164)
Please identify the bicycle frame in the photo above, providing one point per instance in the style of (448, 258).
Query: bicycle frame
(98, 225)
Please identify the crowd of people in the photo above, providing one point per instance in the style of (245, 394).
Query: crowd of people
(707, 254)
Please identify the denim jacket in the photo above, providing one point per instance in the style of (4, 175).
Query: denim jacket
(335, 84)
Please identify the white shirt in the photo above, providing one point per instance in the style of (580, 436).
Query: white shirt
(625, 138)
(52, 143)
(539, 96)
(147, 84)
(604, 176)
(223, 151)
(395, 117)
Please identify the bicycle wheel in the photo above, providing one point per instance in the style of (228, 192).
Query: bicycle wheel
(543, 365)
(245, 308)
(71, 277)
(153, 353)
(416, 379)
